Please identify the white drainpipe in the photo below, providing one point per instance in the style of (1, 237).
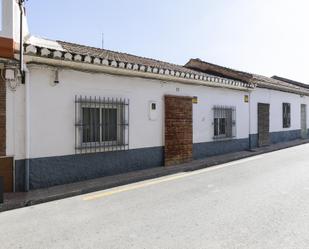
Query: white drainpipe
(249, 104)
(27, 128)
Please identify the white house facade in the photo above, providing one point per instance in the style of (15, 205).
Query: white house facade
(81, 113)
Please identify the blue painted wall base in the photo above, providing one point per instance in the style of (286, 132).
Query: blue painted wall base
(51, 171)
(202, 150)
(277, 137)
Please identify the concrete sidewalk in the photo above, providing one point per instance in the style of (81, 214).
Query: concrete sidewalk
(19, 200)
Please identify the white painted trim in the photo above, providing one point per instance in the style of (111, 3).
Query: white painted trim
(80, 66)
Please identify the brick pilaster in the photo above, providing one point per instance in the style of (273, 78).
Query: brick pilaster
(178, 129)
(2, 117)
(6, 48)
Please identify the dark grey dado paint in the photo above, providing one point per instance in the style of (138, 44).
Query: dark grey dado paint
(284, 136)
(277, 137)
(253, 141)
(202, 150)
(50, 171)
(19, 175)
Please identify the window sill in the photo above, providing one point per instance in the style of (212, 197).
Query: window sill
(223, 138)
(101, 148)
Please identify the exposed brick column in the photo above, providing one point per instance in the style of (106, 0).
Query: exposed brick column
(2, 117)
(178, 129)
(6, 48)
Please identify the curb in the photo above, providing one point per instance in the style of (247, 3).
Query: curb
(148, 174)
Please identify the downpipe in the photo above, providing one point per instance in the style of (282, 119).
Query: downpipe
(21, 41)
(250, 138)
(24, 73)
(28, 130)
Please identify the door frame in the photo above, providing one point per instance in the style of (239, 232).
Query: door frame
(263, 139)
(304, 130)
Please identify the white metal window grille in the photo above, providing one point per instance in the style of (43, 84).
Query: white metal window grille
(101, 124)
(224, 123)
(286, 115)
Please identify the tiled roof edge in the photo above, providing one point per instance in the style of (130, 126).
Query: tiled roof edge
(65, 55)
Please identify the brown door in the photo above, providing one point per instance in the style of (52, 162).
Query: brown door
(303, 116)
(6, 170)
(263, 124)
(178, 129)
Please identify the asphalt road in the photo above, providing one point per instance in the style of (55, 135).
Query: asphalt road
(261, 202)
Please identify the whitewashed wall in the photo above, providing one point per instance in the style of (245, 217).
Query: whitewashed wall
(52, 109)
(275, 99)
(7, 22)
(203, 114)
(10, 20)
(15, 122)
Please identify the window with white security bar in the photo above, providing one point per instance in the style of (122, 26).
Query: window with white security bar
(286, 115)
(224, 122)
(101, 124)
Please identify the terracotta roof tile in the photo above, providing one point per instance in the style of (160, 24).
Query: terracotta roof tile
(259, 80)
(38, 44)
(124, 57)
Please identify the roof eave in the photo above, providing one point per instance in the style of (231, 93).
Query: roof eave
(194, 76)
(90, 67)
(206, 67)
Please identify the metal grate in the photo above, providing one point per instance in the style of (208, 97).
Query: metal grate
(224, 123)
(286, 115)
(101, 124)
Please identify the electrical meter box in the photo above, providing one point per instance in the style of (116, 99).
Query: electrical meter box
(153, 110)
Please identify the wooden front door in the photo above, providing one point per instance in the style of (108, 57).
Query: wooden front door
(303, 120)
(263, 125)
(6, 170)
(178, 129)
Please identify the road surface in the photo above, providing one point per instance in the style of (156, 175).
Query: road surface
(260, 202)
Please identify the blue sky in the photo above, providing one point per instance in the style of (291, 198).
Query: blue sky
(261, 36)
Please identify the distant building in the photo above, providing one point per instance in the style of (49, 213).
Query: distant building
(85, 112)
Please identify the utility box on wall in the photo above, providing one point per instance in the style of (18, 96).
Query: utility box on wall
(153, 110)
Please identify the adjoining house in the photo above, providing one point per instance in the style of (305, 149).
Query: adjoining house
(80, 112)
